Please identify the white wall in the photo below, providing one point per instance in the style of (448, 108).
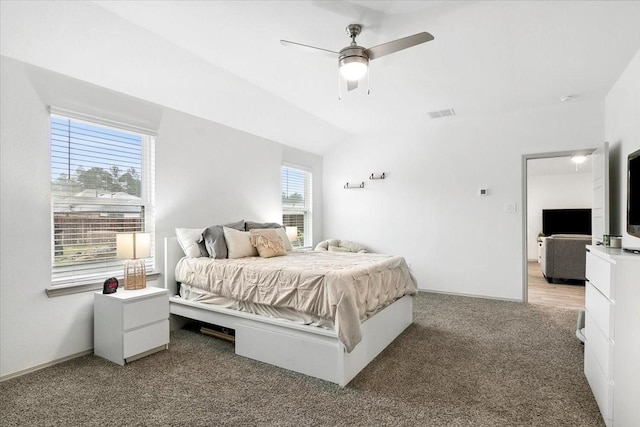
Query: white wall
(622, 127)
(561, 191)
(428, 209)
(81, 39)
(206, 174)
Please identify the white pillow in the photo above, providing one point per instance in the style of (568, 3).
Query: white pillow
(283, 235)
(188, 239)
(238, 243)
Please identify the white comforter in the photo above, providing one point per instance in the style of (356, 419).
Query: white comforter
(343, 287)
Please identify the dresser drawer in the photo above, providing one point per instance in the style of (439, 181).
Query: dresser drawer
(601, 387)
(600, 273)
(144, 339)
(601, 310)
(599, 346)
(144, 311)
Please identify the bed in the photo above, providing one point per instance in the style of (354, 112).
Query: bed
(344, 329)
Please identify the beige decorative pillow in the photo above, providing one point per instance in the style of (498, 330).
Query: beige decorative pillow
(283, 235)
(268, 242)
(238, 243)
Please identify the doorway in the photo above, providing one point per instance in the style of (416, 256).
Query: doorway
(551, 181)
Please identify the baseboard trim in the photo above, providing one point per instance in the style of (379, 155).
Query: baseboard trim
(458, 294)
(45, 365)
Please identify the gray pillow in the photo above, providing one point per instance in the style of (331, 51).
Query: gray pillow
(213, 238)
(250, 225)
(203, 247)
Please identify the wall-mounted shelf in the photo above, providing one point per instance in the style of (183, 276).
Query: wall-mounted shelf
(349, 186)
(378, 176)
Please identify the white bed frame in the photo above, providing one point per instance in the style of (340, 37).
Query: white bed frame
(309, 350)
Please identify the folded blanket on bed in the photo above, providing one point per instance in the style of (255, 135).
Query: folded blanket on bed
(345, 288)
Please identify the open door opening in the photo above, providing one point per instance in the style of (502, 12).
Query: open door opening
(555, 186)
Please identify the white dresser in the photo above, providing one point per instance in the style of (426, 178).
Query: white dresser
(130, 324)
(612, 330)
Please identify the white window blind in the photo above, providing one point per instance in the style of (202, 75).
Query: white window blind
(297, 203)
(102, 183)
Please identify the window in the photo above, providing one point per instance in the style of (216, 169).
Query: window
(296, 203)
(102, 183)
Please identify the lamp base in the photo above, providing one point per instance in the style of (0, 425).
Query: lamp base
(135, 274)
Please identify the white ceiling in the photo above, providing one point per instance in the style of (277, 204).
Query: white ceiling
(488, 57)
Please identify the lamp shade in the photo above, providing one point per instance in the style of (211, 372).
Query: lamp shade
(133, 245)
(292, 233)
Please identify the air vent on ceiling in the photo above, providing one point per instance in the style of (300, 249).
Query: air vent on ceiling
(442, 113)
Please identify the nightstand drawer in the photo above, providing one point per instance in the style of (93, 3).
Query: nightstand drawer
(144, 339)
(600, 273)
(142, 312)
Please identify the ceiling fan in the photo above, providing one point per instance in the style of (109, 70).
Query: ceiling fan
(353, 60)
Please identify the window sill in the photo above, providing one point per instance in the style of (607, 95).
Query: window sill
(61, 290)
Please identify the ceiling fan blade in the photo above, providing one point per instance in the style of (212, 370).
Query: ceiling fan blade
(352, 84)
(396, 45)
(313, 49)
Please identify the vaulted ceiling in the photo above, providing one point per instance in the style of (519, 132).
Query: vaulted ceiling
(222, 60)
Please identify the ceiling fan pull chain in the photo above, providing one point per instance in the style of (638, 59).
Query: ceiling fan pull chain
(368, 81)
(339, 93)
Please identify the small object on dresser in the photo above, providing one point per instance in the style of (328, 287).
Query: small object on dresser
(110, 286)
(615, 241)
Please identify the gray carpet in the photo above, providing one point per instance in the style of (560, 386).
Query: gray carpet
(464, 362)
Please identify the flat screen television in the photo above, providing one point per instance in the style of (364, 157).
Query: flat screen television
(633, 194)
(566, 221)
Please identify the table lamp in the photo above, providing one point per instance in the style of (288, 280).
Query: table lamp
(133, 247)
(292, 233)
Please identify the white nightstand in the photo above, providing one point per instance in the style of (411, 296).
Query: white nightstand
(131, 324)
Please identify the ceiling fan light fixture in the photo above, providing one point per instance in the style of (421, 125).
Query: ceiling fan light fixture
(578, 159)
(353, 67)
(353, 60)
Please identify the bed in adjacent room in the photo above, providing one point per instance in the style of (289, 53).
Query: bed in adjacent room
(323, 314)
